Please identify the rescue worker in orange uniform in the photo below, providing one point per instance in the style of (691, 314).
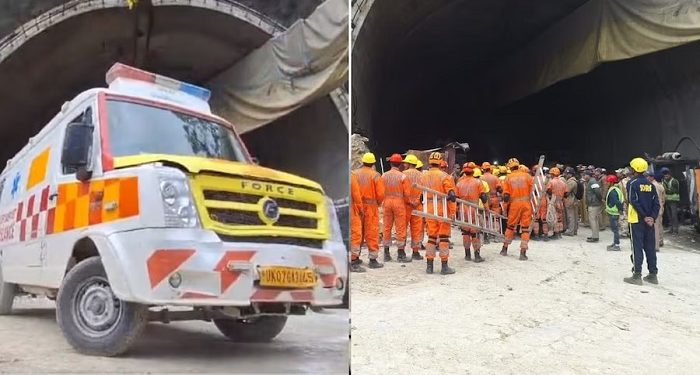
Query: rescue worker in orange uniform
(416, 222)
(516, 192)
(495, 190)
(556, 188)
(397, 195)
(438, 231)
(355, 225)
(471, 190)
(372, 191)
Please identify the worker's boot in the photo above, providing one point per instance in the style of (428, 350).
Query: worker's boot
(446, 270)
(523, 255)
(636, 279)
(356, 267)
(651, 278)
(374, 264)
(387, 255)
(544, 237)
(477, 257)
(467, 254)
(416, 255)
(402, 256)
(504, 251)
(429, 266)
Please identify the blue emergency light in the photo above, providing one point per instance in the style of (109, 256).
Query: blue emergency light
(120, 70)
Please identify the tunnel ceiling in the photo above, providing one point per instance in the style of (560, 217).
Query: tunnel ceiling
(186, 43)
(427, 54)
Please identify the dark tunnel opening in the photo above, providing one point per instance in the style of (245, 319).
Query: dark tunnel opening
(422, 95)
(193, 44)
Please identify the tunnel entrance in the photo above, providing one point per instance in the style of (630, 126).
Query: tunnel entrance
(67, 49)
(422, 93)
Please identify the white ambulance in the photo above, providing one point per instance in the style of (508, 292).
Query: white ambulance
(136, 198)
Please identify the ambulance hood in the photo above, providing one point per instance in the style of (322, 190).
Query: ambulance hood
(196, 165)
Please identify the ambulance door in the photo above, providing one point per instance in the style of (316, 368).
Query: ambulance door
(68, 199)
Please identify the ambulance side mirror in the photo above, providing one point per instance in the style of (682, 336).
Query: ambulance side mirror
(76, 149)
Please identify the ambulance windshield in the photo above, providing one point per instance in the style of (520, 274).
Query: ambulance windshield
(141, 129)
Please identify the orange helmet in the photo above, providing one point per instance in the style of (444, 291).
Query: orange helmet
(471, 165)
(555, 171)
(395, 158)
(513, 163)
(443, 164)
(466, 168)
(524, 168)
(435, 158)
(486, 166)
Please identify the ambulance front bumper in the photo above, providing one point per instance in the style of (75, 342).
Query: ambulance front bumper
(193, 267)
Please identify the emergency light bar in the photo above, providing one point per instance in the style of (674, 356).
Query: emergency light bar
(120, 70)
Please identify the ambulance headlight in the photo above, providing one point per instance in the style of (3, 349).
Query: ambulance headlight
(178, 205)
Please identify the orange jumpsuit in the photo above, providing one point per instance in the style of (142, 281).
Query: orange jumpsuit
(397, 194)
(494, 200)
(541, 216)
(355, 218)
(372, 191)
(414, 176)
(470, 189)
(518, 185)
(558, 187)
(438, 231)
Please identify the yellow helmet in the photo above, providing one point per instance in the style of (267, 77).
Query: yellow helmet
(513, 163)
(411, 159)
(369, 158)
(503, 169)
(496, 171)
(419, 164)
(639, 165)
(477, 172)
(435, 158)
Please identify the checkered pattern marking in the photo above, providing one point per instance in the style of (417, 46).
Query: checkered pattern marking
(77, 205)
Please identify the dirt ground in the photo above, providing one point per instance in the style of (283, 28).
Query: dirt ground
(31, 342)
(565, 311)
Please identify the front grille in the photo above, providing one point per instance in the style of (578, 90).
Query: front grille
(293, 241)
(229, 196)
(296, 222)
(295, 205)
(235, 217)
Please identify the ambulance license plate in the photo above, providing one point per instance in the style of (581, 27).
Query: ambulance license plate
(287, 277)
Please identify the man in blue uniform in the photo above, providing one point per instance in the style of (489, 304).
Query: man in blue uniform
(643, 209)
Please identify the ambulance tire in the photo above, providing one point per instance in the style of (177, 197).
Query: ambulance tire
(258, 329)
(89, 324)
(7, 296)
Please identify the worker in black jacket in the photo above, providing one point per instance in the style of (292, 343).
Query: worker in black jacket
(643, 209)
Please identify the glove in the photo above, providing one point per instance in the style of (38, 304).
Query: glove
(451, 196)
(506, 197)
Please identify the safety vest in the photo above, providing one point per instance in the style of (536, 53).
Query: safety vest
(612, 210)
(676, 197)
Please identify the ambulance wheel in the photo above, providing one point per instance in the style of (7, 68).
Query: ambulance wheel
(7, 296)
(93, 320)
(258, 329)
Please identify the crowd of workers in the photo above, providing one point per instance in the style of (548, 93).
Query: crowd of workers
(631, 200)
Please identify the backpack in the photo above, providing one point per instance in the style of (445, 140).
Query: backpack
(579, 189)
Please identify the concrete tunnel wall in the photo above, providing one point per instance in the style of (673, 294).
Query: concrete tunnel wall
(188, 43)
(417, 92)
